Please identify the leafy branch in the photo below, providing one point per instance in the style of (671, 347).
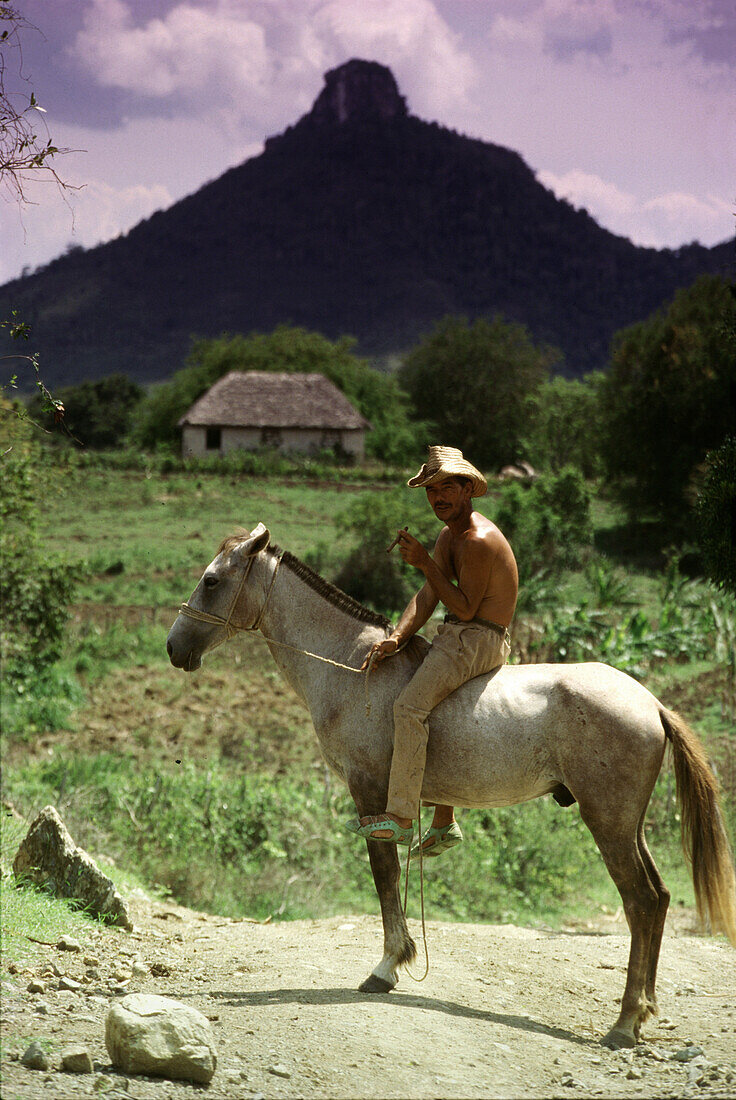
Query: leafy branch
(23, 147)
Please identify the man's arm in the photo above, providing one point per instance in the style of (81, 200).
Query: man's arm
(463, 599)
(413, 618)
(416, 613)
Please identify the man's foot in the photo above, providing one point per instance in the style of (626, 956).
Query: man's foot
(388, 827)
(437, 840)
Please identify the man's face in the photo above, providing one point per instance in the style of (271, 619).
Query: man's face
(449, 498)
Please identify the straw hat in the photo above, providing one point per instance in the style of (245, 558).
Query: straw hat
(446, 462)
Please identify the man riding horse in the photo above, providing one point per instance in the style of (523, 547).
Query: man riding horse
(472, 640)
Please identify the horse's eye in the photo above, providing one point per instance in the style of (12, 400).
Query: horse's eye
(210, 581)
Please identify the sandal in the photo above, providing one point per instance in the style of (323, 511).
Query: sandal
(446, 837)
(399, 834)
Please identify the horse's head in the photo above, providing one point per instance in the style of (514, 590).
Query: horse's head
(219, 605)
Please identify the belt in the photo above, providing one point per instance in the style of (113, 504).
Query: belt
(502, 630)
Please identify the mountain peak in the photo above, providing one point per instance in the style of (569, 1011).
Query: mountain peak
(358, 90)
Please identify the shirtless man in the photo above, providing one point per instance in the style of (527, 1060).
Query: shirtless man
(473, 639)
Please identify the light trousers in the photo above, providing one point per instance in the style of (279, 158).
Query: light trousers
(459, 652)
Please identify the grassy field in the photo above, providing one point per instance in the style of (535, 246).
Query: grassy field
(212, 785)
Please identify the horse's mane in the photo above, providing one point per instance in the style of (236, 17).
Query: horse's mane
(330, 592)
(417, 646)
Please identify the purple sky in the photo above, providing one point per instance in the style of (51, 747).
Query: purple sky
(625, 107)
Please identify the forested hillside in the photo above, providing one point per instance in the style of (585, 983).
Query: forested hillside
(359, 219)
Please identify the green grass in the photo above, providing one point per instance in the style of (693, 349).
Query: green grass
(146, 538)
(29, 914)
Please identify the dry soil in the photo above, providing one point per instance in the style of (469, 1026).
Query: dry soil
(504, 1012)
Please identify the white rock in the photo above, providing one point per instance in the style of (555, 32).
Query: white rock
(155, 1035)
(68, 943)
(76, 1059)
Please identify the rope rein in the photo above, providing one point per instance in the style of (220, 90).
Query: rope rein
(421, 896)
(232, 628)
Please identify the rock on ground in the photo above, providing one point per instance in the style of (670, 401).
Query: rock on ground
(76, 1059)
(145, 1033)
(50, 858)
(35, 1057)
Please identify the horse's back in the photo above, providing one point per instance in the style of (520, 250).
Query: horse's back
(516, 733)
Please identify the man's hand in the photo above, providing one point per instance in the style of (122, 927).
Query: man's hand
(412, 550)
(380, 651)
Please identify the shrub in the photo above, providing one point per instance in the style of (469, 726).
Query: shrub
(547, 523)
(35, 587)
(370, 574)
(716, 516)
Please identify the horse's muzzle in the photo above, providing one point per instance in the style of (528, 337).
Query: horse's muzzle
(189, 661)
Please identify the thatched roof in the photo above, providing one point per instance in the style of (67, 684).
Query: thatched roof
(265, 399)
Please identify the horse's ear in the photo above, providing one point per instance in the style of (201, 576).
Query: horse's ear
(258, 540)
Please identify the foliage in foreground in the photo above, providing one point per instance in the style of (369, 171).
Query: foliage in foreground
(35, 586)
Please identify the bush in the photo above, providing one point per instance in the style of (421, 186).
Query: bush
(97, 414)
(547, 523)
(371, 575)
(716, 516)
(35, 587)
(565, 425)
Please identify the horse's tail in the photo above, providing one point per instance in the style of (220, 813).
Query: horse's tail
(704, 837)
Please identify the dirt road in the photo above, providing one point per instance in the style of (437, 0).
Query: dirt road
(505, 1012)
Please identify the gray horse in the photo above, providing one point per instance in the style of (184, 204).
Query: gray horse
(515, 734)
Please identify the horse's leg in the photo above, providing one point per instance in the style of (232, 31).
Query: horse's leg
(398, 947)
(664, 900)
(621, 854)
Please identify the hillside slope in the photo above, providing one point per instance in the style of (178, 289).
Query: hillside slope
(359, 219)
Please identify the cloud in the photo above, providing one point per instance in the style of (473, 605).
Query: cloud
(655, 222)
(564, 42)
(408, 35)
(187, 51)
(255, 60)
(709, 28)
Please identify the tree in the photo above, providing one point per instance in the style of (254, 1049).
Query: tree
(34, 588)
(287, 348)
(669, 397)
(716, 515)
(98, 414)
(564, 424)
(472, 381)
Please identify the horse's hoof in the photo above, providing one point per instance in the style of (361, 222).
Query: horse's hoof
(374, 984)
(617, 1040)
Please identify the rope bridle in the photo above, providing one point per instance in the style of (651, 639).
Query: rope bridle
(232, 628)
